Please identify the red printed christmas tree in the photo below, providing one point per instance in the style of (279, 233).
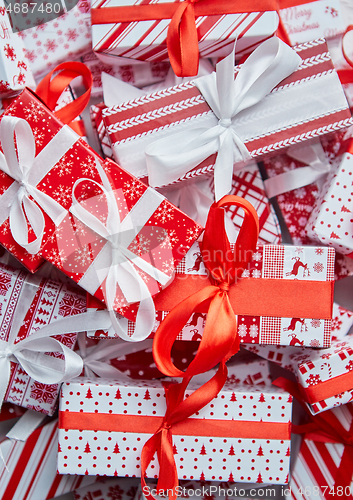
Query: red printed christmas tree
(288, 452)
(116, 448)
(89, 394)
(345, 209)
(231, 451)
(260, 453)
(231, 478)
(118, 394)
(259, 478)
(262, 398)
(147, 395)
(203, 450)
(175, 451)
(87, 448)
(233, 397)
(334, 236)
(59, 448)
(202, 477)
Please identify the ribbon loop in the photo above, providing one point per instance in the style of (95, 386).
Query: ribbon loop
(227, 97)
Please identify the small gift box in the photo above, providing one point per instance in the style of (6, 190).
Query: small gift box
(131, 253)
(305, 21)
(284, 264)
(244, 421)
(55, 157)
(31, 468)
(32, 309)
(180, 32)
(330, 221)
(15, 73)
(117, 488)
(65, 38)
(191, 129)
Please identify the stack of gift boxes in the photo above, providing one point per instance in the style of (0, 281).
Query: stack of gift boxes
(176, 209)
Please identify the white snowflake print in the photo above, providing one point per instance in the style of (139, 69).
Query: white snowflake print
(315, 323)
(119, 302)
(140, 245)
(246, 273)
(88, 165)
(56, 257)
(256, 273)
(302, 221)
(33, 112)
(318, 267)
(314, 343)
(242, 330)
(38, 136)
(165, 243)
(9, 52)
(83, 255)
(168, 267)
(172, 237)
(5, 227)
(300, 193)
(63, 167)
(257, 256)
(287, 218)
(143, 275)
(253, 331)
(319, 251)
(63, 194)
(192, 234)
(165, 213)
(80, 228)
(280, 198)
(133, 189)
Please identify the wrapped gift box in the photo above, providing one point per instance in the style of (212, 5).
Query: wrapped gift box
(117, 488)
(330, 221)
(269, 261)
(65, 38)
(139, 75)
(71, 159)
(307, 21)
(115, 452)
(27, 303)
(135, 125)
(99, 130)
(146, 40)
(161, 235)
(31, 467)
(317, 465)
(15, 73)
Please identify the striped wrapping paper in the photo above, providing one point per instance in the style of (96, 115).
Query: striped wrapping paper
(317, 464)
(308, 104)
(32, 468)
(146, 40)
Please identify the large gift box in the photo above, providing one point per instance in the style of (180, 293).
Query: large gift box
(55, 158)
(330, 221)
(65, 38)
(28, 305)
(174, 134)
(252, 424)
(15, 73)
(147, 33)
(273, 262)
(31, 468)
(150, 240)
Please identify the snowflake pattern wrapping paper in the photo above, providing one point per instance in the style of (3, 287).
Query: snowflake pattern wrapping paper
(65, 38)
(146, 40)
(331, 219)
(70, 158)
(273, 262)
(42, 301)
(88, 448)
(136, 124)
(106, 488)
(15, 73)
(161, 235)
(31, 473)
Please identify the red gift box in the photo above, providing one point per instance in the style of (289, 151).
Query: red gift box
(62, 156)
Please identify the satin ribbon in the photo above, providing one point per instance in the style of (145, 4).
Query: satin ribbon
(324, 427)
(182, 37)
(317, 169)
(20, 163)
(170, 158)
(95, 358)
(51, 87)
(114, 264)
(31, 352)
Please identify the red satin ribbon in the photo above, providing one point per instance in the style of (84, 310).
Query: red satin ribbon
(328, 388)
(325, 427)
(346, 75)
(51, 87)
(182, 38)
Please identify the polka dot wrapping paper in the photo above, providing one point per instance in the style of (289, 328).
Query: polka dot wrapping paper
(331, 220)
(255, 449)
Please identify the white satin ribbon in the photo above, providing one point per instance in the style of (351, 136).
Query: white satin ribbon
(317, 169)
(30, 352)
(170, 158)
(28, 170)
(95, 358)
(115, 262)
(25, 425)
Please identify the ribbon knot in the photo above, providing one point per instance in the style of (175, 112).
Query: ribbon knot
(225, 122)
(224, 286)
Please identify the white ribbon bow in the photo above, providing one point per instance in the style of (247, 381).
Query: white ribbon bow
(115, 262)
(28, 170)
(30, 352)
(170, 158)
(95, 358)
(317, 168)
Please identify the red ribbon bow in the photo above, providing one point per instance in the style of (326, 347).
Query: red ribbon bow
(51, 87)
(327, 428)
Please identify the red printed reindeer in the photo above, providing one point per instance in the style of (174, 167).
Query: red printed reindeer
(292, 326)
(297, 264)
(198, 262)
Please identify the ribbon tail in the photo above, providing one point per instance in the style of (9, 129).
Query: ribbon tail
(51, 207)
(149, 449)
(293, 179)
(5, 370)
(168, 475)
(21, 208)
